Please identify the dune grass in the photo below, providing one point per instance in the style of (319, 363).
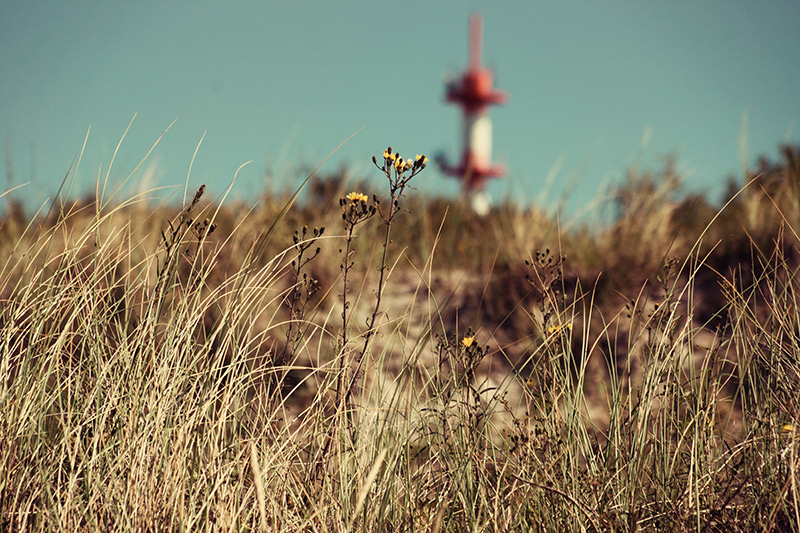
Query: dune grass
(379, 361)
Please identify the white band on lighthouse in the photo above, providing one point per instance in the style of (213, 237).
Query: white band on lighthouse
(478, 138)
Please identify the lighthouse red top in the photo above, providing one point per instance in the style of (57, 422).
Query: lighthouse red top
(473, 91)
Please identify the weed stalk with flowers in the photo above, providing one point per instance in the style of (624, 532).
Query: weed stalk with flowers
(399, 173)
(551, 361)
(357, 209)
(303, 287)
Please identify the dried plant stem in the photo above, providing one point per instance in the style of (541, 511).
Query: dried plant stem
(396, 193)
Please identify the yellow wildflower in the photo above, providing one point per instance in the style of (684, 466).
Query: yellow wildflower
(389, 156)
(398, 164)
(468, 341)
(558, 329)
(357, 197)
(422, 157)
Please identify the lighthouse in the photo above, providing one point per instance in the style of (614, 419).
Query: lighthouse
(473, 92)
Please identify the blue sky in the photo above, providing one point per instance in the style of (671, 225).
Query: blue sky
(283, 83)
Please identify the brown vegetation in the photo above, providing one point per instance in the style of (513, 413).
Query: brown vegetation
(392, 362)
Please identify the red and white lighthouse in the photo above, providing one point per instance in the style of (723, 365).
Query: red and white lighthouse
(474, 93)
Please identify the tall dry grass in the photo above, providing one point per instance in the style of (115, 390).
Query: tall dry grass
(410, 366)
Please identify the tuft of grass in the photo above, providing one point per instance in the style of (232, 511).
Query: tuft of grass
(404, 364)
